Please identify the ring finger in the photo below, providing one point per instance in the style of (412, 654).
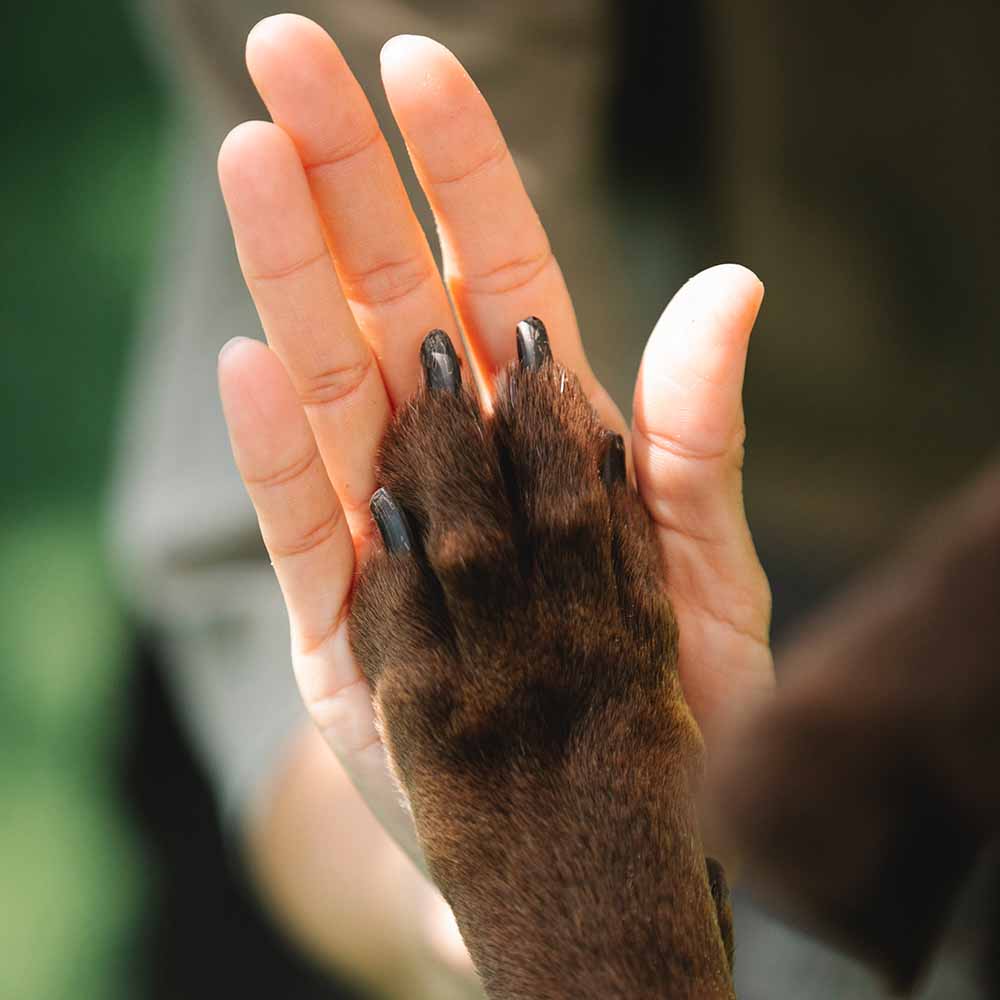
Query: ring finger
(279, 241)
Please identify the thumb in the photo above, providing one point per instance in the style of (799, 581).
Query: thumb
(688, 407)
(687, 444)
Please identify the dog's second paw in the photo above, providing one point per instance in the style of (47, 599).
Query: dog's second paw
(522, 652)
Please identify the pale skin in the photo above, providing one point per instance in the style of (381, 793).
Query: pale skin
(346, 287)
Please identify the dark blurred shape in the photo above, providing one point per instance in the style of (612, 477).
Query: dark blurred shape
(856, 148)
(660, 105)
(864, 795)
(206, 935)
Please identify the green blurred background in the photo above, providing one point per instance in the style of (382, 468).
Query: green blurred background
(79, 197)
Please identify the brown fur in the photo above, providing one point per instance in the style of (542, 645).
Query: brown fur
(523, 659)
(865, 795)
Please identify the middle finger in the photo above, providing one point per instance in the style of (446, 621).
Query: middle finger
(384, 263)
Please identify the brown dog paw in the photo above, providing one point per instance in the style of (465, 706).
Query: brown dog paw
(522, 653)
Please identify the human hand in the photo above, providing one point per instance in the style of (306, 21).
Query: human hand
(346, 288)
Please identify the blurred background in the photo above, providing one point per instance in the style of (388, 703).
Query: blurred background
(848, 156)
(82, 175)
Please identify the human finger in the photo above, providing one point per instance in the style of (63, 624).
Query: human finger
(307, 538)
(307, 321)
(301, 519)
(687, 443)
(386, 268)
(498, 263)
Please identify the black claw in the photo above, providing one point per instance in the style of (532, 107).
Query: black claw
(613, 462)
(391, 522)
(441, 367)
(532, 344)
(717, 879)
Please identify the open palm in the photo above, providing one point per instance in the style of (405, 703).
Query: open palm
(346, 288)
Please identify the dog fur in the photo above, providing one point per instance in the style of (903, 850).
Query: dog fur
(523, 659)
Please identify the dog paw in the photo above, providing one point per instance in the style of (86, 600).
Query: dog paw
(519, 591)
(522, 653)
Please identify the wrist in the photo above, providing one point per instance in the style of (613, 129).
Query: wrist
(582, 878)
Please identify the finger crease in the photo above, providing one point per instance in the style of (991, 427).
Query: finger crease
(312, 539)
(663, 523)
(287, 474)
(356, 507)
(344, 153)
(364, 746)
(508, 277)
(308, 645)
(497, 153)
(386, 283)
(705, 612)
(335, 385)
(287, 272)
(672, 447)
(326, 709)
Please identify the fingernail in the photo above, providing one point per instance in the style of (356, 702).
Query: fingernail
(391, 522)
(613, 462)
(532, 344)
(441, 369)
(232, 342)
